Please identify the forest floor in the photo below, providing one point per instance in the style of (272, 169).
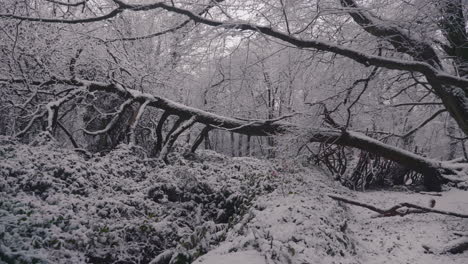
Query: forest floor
(59, 207)
(399, 239)
(377, 239)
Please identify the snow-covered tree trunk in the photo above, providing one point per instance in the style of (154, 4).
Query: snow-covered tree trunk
(434, 171)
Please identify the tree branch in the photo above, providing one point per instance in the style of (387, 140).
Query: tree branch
(53, 107)
(68, 4)
(417, 103)
(402, 41)
(424, 123)
(202, 136)
(173, 137)
(136, 121)
(395, 210)
(69, 135)
(114, 120)
(358, 56)
(159, 135)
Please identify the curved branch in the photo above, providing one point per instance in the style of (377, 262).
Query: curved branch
(68, 4)
(358, 56)
(69, 135)
(114, 120)
(417, 103)
(111, 14)
(173, 137)
(159, 135)
(135, 122)
(202, 136)
(176, 125)
(402, 41)
(170, 30)
(52, 108)
(37, 115)
(424, 123)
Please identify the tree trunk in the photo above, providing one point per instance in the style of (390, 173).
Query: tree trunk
(159, 136)
(240, 146)
(249, 153)
(233, 146)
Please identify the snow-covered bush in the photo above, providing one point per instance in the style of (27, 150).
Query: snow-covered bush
(58, 207)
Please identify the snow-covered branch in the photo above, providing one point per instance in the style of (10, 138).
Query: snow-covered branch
(135, 122)
(52, 107)
(114, 120)
(358, 56)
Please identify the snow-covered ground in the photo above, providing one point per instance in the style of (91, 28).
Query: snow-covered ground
(58, 207)
(370, 240)
(374, 240)
(297, 223)
(400, 239)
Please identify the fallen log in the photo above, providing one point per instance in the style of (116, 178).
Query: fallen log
(435, 172)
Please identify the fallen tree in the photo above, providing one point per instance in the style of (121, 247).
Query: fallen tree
(435, 171)
(449, 87)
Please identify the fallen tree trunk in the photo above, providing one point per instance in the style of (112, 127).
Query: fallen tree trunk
(434, 171)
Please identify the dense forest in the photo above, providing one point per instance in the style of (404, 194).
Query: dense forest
(144, 131)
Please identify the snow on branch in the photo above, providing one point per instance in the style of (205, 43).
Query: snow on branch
(135, 122)
(114, 120)
(255, 129)
(52, 107)
(36, 115)
(434, 171)
(358, 56)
